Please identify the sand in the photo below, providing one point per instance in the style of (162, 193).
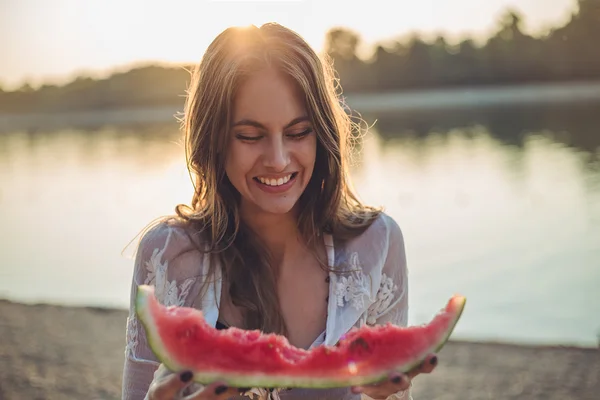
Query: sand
(50, 352)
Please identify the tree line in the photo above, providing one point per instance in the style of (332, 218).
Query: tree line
(509, 56)
(567, 53)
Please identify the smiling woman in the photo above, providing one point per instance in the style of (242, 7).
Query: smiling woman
(273, 238)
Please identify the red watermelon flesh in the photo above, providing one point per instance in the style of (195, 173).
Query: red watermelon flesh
(182, 340)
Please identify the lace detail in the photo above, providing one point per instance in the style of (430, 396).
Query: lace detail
(263, 394)
(385, 295)
(167, 292)
(132, 336)
(352, 288)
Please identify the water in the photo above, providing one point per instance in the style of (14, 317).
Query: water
(502, 206)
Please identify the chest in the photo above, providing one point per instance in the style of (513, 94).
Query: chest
(303, 292)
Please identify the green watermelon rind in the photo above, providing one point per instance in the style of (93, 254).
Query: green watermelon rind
(152, 335)
(234, 379)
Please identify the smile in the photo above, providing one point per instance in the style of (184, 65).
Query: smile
(277, 185)
(276, 182)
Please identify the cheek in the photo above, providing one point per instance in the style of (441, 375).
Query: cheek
(309, 152)
(238, 164)
(232, 165)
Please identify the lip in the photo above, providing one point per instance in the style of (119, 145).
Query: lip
(276, 189)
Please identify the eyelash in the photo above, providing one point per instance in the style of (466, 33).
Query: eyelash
(295, 136)
(301, 134)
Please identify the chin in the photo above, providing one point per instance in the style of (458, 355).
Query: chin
(278, 209)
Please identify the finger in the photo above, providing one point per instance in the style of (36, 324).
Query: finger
(370, 386)
(429, 364)
(426, 367)
(171, 385)
(216, 390)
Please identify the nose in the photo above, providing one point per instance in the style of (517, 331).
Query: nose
(277, 154)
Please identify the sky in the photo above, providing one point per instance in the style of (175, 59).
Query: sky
(52, 41)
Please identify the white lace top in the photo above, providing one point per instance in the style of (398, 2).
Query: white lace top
(375, 293)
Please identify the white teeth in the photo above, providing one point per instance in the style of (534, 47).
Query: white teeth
(275, 182)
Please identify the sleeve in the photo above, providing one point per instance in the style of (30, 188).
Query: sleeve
(165, 259)
(391, 304)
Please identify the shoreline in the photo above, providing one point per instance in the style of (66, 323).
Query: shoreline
(73, 352)
(414, 100)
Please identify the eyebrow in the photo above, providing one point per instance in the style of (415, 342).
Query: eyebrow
(256, 124)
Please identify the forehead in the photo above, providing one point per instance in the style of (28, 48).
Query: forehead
(270, 98)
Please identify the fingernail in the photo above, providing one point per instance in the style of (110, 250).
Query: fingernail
(433, 360)
(220, 389)
(186, 376)
(397, 379)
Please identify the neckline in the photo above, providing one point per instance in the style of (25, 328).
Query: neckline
(331, 308)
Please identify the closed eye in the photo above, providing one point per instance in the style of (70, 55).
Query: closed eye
(248, 138)
(300, 134)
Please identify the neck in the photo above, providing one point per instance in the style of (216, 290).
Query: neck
(277, 231)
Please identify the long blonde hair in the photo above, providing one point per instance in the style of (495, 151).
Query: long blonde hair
(328, 204)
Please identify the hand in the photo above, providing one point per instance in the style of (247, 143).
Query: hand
(397, 381)
(171, 386)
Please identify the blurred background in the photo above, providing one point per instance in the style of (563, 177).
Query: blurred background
(484, 145)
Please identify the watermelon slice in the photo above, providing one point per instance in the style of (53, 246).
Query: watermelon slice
(182, 340)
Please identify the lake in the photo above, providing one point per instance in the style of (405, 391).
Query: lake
(501, 204)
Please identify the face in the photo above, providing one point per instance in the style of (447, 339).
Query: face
(272, 145)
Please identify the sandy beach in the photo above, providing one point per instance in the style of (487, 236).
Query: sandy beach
(50, 352)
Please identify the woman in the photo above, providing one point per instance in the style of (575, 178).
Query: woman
(273, 239)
